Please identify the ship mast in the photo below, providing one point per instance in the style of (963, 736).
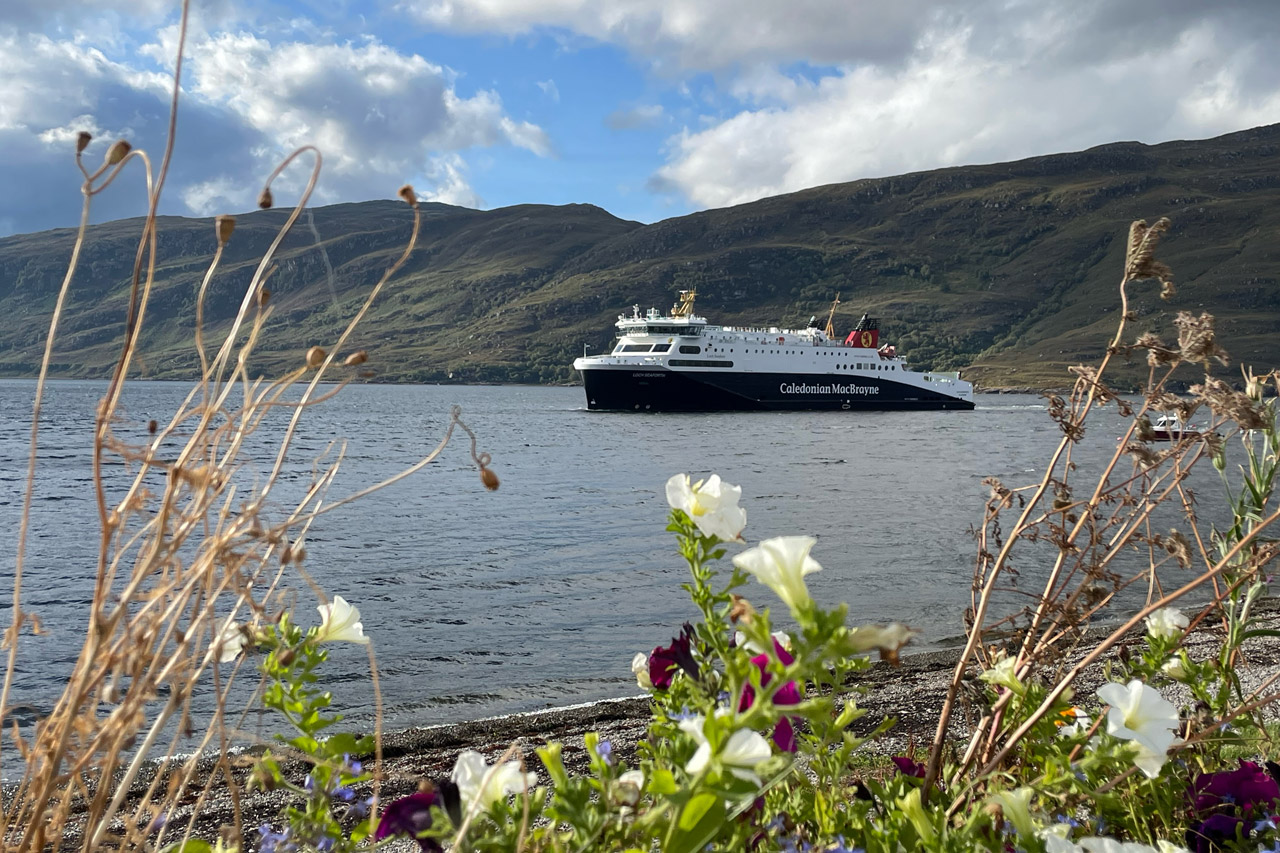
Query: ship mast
(831, 332)
(684, 308)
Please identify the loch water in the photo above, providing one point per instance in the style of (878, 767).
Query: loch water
(537, 595)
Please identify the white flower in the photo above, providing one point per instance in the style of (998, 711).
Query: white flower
(1078, 725)
(1016, 805)
(781, 564)
(711, 504)
(1140, 714)
(479, 783)
(782, 638)
(1004, 673)
(1174, 669)
(1167, 623)
(739, 754)
(640, 668)
(340, 623)
(630, 784)
(888, 638)
(1098, 844)
(230, 643)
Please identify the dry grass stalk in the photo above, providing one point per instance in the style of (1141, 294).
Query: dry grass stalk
(180, 565)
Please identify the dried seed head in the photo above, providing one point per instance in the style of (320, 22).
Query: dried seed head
(357, 357)
(1177, 545)
(741, 611)
(1140, 262)
(1253, 385)
(82, 140)
(264, 198)
(489, 479)
(225, 225)
(407, 193)
(315, 356)
(118, 151)
(1196, 338)
(286, 656)
(264, 296)
(152, 426)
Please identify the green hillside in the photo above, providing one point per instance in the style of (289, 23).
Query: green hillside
(1007, 271)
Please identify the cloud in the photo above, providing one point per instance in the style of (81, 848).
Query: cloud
(646, 115)
(970, 95)
(380, 117)
(549, 89)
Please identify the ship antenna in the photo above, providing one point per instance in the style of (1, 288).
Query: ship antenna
(684, 308)
(831, 332)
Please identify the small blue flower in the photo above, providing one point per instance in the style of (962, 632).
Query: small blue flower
(355, 768)
(604, 749)
(345, 794)
(309, 784)
(1264, 825)
(325, 844)
(360, 808)
(685, 714)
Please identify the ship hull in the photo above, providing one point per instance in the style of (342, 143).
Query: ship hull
(656, 389)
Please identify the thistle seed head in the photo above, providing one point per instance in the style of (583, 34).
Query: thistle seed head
(315, 357)
(489, 479)
(406, 192)
(356, 358)
(264, 198)
(82, 141)
(225, 225)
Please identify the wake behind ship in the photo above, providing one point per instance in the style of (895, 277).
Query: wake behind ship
(676, 362)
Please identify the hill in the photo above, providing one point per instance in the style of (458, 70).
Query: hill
(1008, 270)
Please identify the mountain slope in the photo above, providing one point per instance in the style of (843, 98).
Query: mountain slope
(1007, 270)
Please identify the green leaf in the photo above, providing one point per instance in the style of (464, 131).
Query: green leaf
(700, 820)
(191, 845)
(663, 783)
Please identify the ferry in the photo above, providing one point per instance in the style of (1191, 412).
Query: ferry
(677, 362)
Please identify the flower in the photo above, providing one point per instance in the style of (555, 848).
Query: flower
(780, 638)
(909, 766)
(340, 623)
(739, 754)
(1016, 805)
(410, 816)
(664, 661)
(712, 505)
(1072, 722)
(1213, 833)
(640, 669)
(1005, 674)
(888, 639)
(1167, 623)
(1140, 714)
(1249, 787)
(629, 786)
(1174, 668)
(230, 643)
(787, 694)
(781, 564)
(479, 783)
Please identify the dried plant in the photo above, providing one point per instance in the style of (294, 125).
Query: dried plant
(181, 564)
(1096, 536)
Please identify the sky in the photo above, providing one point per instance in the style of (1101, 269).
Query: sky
(647, 108)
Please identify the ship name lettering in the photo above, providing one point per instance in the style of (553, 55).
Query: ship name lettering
(835, 388)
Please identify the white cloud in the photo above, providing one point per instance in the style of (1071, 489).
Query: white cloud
(961, 99)
(550, 89)
(645, 115)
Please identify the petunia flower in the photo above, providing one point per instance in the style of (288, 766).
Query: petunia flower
(340, 623)
(739, 754)
(629, 786)
(665, 660)
(887, 639)
(1016, 805)
(1140, 714)
(909, 767)
(787, 694)
(781, 564)
(1249, 787)
(640, 669)
(1167, 623)
(410, 816)
(1004, 673)
(479, 783)
(1215, 832)
(711, 504)
(781, 638)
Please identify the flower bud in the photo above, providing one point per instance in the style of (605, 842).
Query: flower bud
(407, 193)
(152, 426)
(357, 357)
(118, 151)
(489, 479)
(315, 357)
(264, 296)
(83, 140)
(264, 198)
(224, 225)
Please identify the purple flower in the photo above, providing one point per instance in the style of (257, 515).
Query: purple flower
(410, 816)
(788, 694)
(1249, 787)
(909, 767)
(664, 661)
(1210, 835)
(604, 749)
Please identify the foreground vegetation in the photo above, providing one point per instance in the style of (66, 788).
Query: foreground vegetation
(750, 743)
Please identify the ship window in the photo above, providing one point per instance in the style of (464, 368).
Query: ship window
(637, 347)
(661, 347)
(690, 350)
(698, 362)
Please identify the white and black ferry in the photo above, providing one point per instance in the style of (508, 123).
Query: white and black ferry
(676, 362)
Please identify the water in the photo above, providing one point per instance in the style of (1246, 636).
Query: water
(538, 594)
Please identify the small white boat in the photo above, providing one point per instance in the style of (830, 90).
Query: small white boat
(1171, 428)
